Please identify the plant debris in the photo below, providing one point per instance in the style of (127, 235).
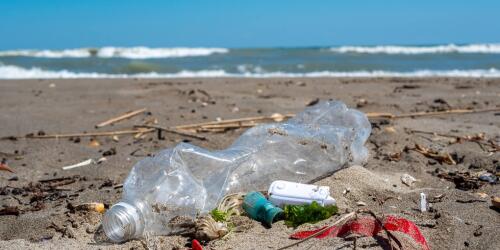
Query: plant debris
(9, 211)
(220, 216)
(463, 180)
(120, 118)
(296, 215)
(442, 157)
(94, 206)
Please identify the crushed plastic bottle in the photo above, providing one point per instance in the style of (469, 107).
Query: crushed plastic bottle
(188, 180)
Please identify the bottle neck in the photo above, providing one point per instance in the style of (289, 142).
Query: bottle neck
(123, 221)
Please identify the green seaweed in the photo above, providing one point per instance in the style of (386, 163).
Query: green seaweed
(220, 216)
(296, 215)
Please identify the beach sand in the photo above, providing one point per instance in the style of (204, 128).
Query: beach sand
(458, 219)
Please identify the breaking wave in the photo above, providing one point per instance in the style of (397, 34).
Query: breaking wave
(411, 50)
(15, 72)
(118, 52)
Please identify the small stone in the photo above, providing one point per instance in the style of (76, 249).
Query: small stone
(360, 203)
(408, 180)
(496, 202)
(482, 195)
(390, 130)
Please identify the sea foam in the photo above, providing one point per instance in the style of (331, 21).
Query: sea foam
(118, 52)
(411, 50)
(15, 72)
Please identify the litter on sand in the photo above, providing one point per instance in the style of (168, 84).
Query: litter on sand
(315, 143)
(369, 226)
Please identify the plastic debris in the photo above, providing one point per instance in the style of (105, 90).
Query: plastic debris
(292, 193)
(187, 180)
(423, 202)
(259, 208)
(368, 226)
(408, 180)
(488, 177)
(5, 167)
(195, 245)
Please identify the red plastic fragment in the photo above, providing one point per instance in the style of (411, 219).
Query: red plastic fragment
(4, 167)
(368, 226)
(195, 245)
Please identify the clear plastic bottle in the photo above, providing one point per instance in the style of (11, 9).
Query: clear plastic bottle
(187, 180)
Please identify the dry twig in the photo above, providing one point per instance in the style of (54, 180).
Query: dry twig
(95, 134)
(171, 130)
(120, 118)
(441, 157)
(477, 138)
(221, 126)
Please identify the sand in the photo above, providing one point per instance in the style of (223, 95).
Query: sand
(458, 218)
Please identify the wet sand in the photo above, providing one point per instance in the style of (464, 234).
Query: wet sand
(461, 215)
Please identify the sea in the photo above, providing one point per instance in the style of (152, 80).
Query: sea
(446, 60)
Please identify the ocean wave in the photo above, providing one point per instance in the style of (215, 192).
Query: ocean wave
(411, 50)
(15, 72)
(117, 52)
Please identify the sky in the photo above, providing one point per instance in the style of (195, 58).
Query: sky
(55, 24)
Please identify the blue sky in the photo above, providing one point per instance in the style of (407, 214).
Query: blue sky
(233, 23)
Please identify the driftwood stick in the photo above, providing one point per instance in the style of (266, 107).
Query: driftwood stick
(447, 112)
(477, 138)
(120, 118)
(274, 117)
(251, 121)
(171, 130)
(218, 126)
(110, 133)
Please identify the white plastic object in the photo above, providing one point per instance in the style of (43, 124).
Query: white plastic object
(292, 193)
(423, 202)
(188, 180)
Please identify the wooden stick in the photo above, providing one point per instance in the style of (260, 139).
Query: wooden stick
(171, 130)
(218, 126)
(447, 112)
(251, 121)
(120, 118)
(110, 133)
(471, 138)
(274, 117)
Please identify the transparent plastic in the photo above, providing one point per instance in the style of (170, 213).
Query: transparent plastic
(188, 180)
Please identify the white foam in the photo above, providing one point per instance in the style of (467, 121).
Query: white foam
(76, 53)
(145, 52)
(411, 50)
(119, 52)
(15, 72)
